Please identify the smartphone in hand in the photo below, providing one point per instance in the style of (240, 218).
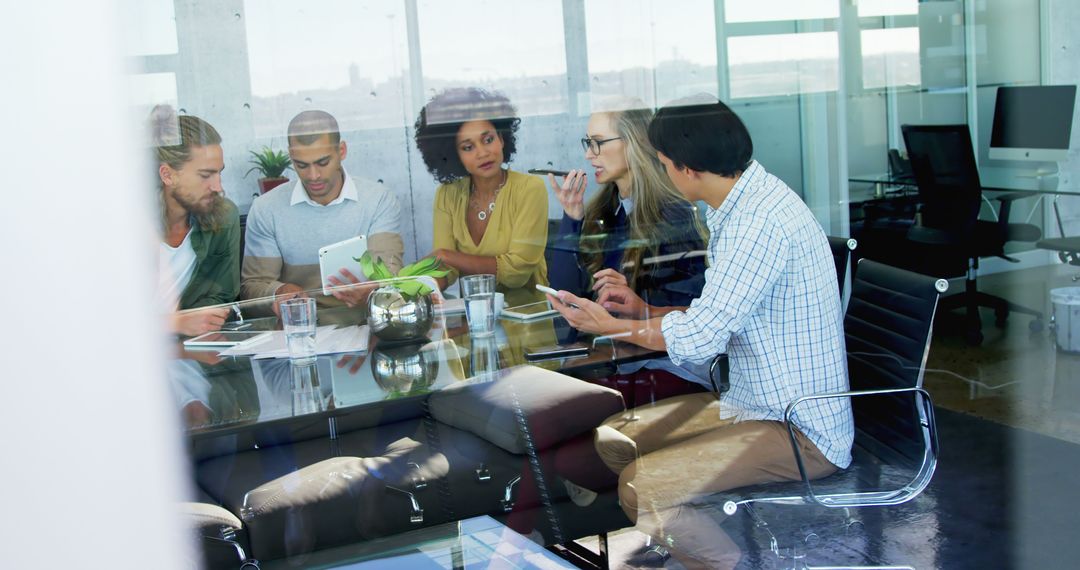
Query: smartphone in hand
(555, 294)
(545, 171)
(557, 351)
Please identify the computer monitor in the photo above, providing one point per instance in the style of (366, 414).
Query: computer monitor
(1033, 123)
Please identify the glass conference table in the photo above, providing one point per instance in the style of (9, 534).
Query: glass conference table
(221, 395)
(480, 542)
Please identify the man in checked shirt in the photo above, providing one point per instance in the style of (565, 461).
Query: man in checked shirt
(770, 302)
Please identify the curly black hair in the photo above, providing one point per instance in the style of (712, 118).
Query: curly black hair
(439, 122)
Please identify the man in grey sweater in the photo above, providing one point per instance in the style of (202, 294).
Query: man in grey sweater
(287, 226)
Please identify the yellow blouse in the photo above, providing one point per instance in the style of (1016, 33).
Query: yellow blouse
(516, 234)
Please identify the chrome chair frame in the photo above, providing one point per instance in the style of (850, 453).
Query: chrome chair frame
(906, 492)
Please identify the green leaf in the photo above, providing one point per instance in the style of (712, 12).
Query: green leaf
(269, 162)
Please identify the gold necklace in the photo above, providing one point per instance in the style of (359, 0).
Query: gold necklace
(482, 213)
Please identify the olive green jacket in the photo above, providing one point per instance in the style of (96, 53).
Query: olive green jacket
(216, 279)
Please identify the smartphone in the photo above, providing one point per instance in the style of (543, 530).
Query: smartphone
(543, 171)
(235, 326)
(555, 294)
(557, 351)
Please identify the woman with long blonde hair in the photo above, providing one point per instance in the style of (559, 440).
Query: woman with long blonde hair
(637, 214)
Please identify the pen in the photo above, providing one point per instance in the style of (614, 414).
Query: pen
(239, 315)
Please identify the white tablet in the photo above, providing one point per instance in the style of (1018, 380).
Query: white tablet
(334, 257)
(221, 339)
(530, 311)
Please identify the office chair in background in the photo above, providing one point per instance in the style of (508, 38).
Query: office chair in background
(947, 238)
(1067, 248)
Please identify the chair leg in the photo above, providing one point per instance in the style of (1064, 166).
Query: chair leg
(973, 330)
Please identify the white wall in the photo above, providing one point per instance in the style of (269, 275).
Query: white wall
(92, 465)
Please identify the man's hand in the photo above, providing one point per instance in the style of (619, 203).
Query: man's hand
(284, 293)
(607, 278)
(349, 289)
(590, 317)
(353, 361)
(196, 414)
(622, 300)
(195, 323)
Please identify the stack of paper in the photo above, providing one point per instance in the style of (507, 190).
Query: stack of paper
(328, 340)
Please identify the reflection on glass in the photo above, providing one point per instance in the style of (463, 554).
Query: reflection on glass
(306, 396)
(153, 27)
(868, 8)
(149, 89)
(192, 391)
(355, 68)
(779, 10)
(470, 43)
(783, 64)
(484, 358)
(891, 57)
(405, 369)
(646, 50)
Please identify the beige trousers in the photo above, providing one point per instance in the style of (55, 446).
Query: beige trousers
(677, 451)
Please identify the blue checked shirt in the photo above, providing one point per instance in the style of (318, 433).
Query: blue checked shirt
(770, 301)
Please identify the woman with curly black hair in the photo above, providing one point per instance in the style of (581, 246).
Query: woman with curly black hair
(487, 218)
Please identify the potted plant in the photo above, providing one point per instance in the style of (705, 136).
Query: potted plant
(400, 310)
(272, 164)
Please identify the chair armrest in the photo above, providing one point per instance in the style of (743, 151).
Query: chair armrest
(1012, 196)
(721, 363)
(1004, 212)
(920, 480)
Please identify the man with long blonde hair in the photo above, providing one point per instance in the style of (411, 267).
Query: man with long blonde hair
(199, 263)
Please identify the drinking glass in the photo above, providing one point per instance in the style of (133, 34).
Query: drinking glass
(479, 293)
(298, 318)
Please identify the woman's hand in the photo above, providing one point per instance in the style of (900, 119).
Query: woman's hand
(607, 278)
(349, 289)
(447, 257)
(571, 193)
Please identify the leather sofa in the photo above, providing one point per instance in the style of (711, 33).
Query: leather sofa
(500, 448)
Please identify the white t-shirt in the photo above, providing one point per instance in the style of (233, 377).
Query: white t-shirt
(176, 265)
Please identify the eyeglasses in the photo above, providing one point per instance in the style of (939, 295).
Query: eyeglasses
(594, 144)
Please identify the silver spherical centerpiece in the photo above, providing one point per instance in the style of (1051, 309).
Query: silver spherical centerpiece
(404, 368)
(393, 317)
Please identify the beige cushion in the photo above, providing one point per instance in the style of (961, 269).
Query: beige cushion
(556, 407)
(334, 501)
(208, 519)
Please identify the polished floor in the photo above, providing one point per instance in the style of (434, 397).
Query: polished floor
(1005, 492)
(1017, 377)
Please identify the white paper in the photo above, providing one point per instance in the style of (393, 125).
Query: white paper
(328, 340)
(450, 307)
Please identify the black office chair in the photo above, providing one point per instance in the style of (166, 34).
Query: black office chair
(947, 238)
(842, 250)
(1067, 248)
(887, 329)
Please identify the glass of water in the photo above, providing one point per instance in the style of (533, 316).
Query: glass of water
(298, 318)
(479, 293)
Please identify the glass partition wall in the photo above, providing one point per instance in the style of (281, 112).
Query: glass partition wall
(823, 86)
(249, 67)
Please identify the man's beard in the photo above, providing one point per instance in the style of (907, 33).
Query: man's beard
(209, 214)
